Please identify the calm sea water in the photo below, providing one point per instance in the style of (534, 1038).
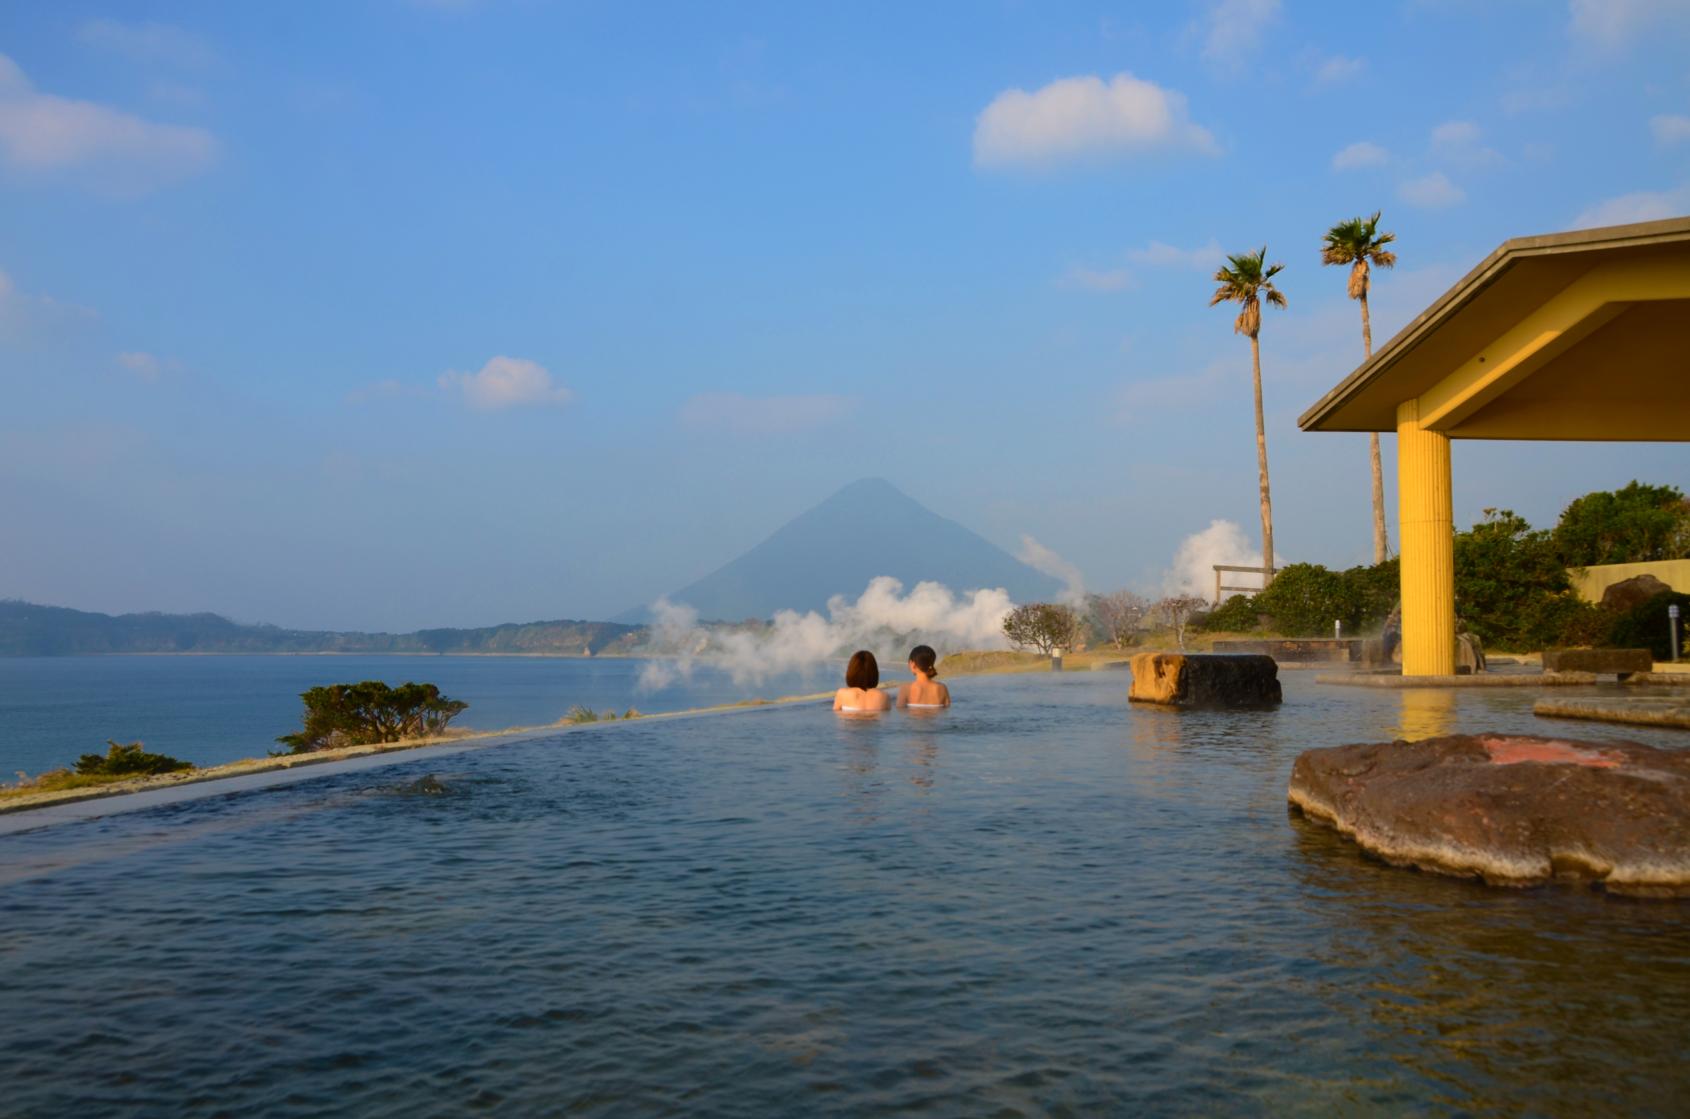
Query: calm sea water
(1039, 903)
(215, 709)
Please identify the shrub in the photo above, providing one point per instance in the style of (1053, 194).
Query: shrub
(1511, 589)
(1631, 525)
(1645, 625)
(1237, 614)
(360, 714)
(127, 761)
(1304, 600)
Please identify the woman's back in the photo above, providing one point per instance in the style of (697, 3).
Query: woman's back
(924, 693)
(861, 700)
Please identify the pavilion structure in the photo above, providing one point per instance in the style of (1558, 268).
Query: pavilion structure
(1571, 336)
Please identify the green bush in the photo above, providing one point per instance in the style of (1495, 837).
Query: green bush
(1236, 615)
(1635, 524)
(128, 761)
(1304, 600)
(361, 714)
(1645, 625)
(1511, 589)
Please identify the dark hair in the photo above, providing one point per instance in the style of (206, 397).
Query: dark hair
(862, 672)
(924, 659)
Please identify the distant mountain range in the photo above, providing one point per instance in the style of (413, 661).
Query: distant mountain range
(868, 528)
(30, 630)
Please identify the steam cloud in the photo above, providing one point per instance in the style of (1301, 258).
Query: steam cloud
(1193, 570)
(883, 619)
(1041, 558)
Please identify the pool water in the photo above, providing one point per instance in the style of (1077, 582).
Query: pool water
(1041, 902)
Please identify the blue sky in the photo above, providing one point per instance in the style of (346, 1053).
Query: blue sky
(387, 314)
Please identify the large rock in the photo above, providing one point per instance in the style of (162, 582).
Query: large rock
(1629, 594)
(1620, 662)
(1513, 811)
(1191, 680)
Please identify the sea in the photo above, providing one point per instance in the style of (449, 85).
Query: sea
(214, 709)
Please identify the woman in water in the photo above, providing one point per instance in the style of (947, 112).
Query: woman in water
(924, 691)
(861, 694)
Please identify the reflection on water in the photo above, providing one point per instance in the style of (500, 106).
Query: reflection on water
(1037, 902)
(1426, 713)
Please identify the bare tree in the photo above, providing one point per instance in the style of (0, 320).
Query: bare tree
(1044, 625)
(1118, 614)
(1176, 611)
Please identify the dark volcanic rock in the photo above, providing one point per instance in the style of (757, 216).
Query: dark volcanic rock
(1514, 811)
(1187, 680)
(430, 786)
(1629, 594)
(1621, 662)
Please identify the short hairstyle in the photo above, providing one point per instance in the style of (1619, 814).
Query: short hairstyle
(863, 672)
(925, 659)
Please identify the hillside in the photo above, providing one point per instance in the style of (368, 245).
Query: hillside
(30, 630)
(868, 528)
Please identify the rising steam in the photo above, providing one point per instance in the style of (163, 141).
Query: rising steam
(1193, 571)
(883, 619)
(1041, 558)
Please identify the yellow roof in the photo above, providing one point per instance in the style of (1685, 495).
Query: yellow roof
(1581, 335)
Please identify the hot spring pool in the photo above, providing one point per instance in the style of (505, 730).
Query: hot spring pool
(1040, 902)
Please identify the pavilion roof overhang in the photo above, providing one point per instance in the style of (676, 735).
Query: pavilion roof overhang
(1582, 335)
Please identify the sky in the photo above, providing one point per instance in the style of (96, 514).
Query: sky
(388, 313)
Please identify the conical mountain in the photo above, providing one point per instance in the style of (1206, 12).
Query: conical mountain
(868, 528)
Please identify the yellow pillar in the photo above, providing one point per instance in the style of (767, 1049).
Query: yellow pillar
(1427, 533)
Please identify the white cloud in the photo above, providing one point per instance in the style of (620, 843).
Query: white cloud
(1095, 279)
(1431, 192)
(1611, 25)
(506, 382)
(1338, 69)
(1160, 255)
(1361, 154)
(1642, 205)
(1084, 117)
(1459, 141)
(1455, 133)
(1234, 28)
(1670, 128)
(764, 415)
(44, 133)
(143, 365)
(148, 43)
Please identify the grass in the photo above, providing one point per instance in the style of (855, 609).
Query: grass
(58, 781)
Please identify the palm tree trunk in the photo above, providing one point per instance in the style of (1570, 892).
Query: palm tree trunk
(1262, 462)
(1381, 543)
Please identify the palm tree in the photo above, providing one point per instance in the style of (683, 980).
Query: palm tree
(1359, 244)
(1247, 279)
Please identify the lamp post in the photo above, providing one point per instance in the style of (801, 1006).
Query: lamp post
(1672, 628)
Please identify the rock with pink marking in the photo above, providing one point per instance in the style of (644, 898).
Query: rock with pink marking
(1511, 810)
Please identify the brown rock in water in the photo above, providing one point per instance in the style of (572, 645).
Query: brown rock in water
(1619, 662)
(1511, 810)
(1628, 594)
(1194, 680)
